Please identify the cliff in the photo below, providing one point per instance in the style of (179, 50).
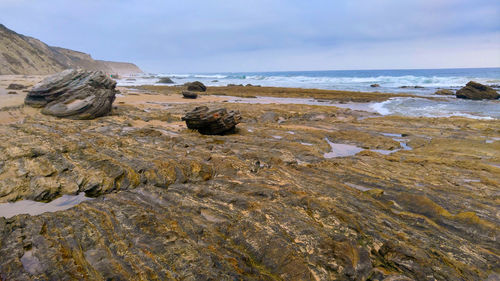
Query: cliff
(21, 54)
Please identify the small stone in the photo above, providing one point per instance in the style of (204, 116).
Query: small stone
(14, 86)
(166, 80)
(189, 95)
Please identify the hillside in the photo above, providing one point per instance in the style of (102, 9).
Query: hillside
(21, 54)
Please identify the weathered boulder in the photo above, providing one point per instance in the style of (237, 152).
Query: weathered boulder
(444, 92)
(374, 85)
(212, 122)
(189, 95)
(196, 86)
(476, 91)
(74, 94)
(166, 80)
(15, 86)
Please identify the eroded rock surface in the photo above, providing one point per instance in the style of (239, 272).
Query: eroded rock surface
(212, 122)
(173, 204)
(477, 91)
(74, 94)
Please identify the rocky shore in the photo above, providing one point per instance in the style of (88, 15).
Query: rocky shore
(419, 201)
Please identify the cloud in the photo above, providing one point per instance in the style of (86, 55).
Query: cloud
(237, 35)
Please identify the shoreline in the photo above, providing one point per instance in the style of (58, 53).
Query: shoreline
(308, 182)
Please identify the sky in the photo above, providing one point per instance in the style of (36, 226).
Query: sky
(193, 36)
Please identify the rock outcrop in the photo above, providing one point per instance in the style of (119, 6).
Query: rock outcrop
(212, 122)
(21, 54)
(189, 95)
(375, 85)
(196, 86)
(477, 91)
(74, 94)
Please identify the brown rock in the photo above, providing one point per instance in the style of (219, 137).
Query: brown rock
(214, 122)
(14, 86)
(189, 95)
(374, 85)
(476, 91)
(196, 86)
(166, 80)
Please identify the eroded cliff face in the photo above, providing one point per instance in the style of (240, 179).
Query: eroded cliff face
(21, 54)
(261, 204)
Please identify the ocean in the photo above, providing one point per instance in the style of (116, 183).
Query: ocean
(421, 82)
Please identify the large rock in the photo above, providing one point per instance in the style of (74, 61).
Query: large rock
(196, 86)
(476, 91)
(214, 122)
(74, 94)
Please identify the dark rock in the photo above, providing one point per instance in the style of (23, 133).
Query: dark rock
(189, 95)
(444, 92)
(166, 80)
(12, 93)
(411, 87)
(196, 86)
(213, 81)
(374, 85)
(214, 122)
(14, 86)
(74, 94)
(476, 91)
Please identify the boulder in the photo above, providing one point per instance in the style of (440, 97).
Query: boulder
(476, 91)
(374, 85)
(189, 95)
(212, 122)
(444, 92)
(74, 94)
(14, 86)
(166, 80)
(196, 86)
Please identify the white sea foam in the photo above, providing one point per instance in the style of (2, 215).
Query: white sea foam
(421, 107)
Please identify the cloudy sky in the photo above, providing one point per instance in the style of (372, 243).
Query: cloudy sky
(265, 35)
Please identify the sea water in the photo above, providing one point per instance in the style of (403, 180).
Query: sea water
(392, 81)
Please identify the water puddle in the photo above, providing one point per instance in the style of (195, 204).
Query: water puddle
(306, 143)
(358, 187)
(291, 132)
(344, 150)
(34, 208)
(341, 150)
(492, 140)
(278, 137)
